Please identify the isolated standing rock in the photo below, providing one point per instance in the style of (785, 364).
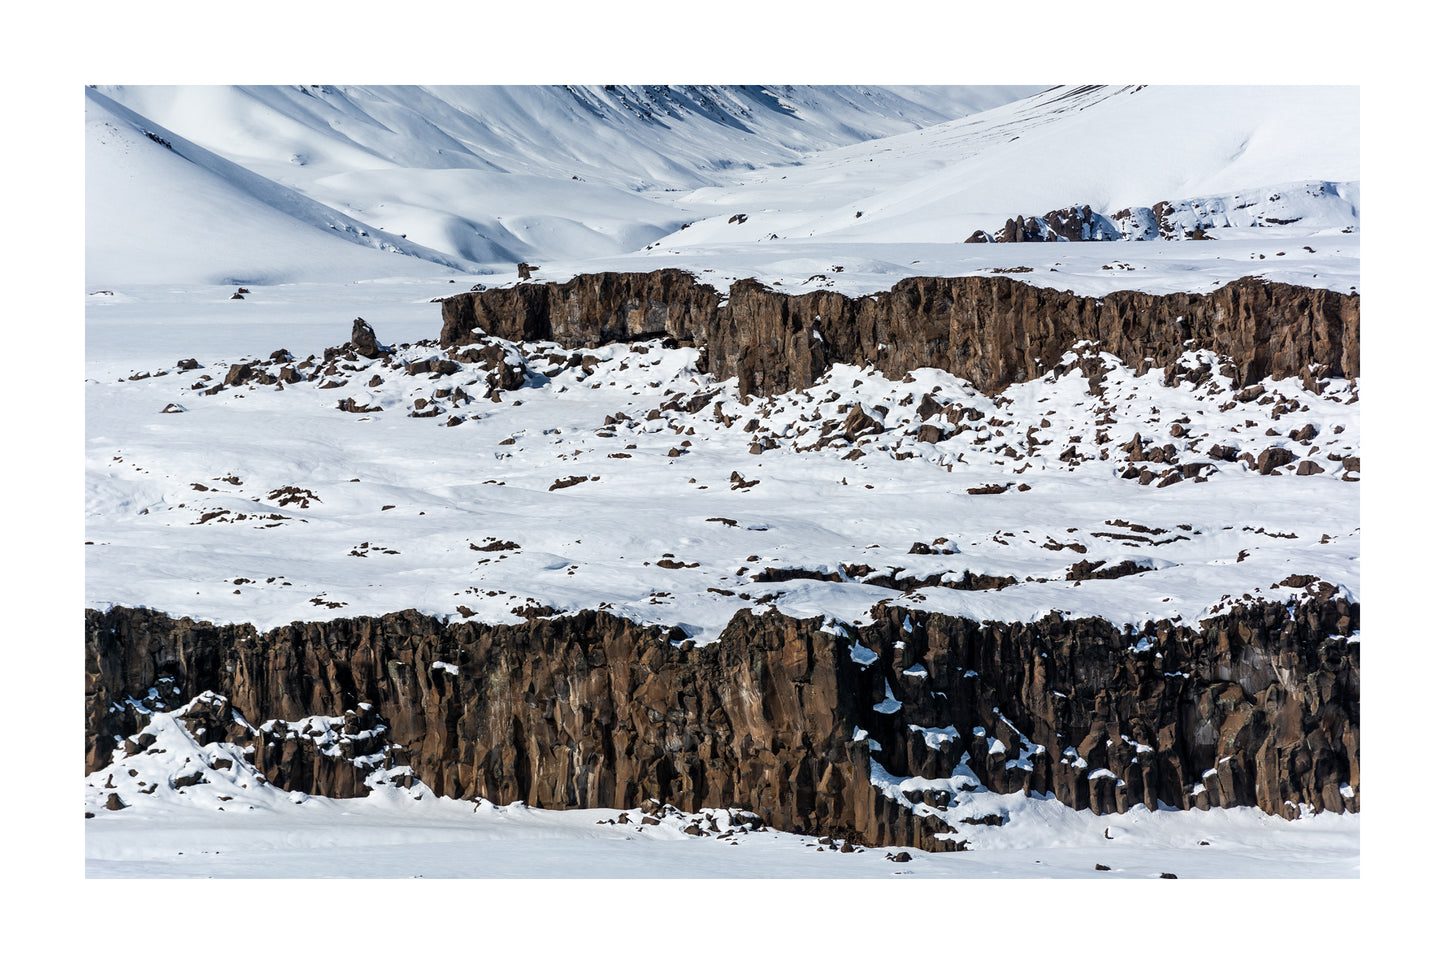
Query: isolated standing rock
(363, 339)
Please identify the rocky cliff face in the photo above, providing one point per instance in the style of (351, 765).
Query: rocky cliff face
(992, 331)
(589, 310)
(590, 710)
(1258, 708)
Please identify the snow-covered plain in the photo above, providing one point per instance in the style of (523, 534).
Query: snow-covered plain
(398, 505)
(180, 214)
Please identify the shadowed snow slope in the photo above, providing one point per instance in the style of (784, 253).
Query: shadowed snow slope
(160, 208)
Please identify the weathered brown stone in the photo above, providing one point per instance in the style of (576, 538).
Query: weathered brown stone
(363, 339)
(860, 423)
(239, 374)
(1272, 459)
(588, 311)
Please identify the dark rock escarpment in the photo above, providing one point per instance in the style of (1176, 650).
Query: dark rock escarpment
(992, 331)
(1257, 707)
(1261, 707)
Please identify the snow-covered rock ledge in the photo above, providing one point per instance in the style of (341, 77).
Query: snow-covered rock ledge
(992, 331)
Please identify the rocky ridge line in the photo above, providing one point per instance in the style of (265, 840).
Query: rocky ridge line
(992, 331)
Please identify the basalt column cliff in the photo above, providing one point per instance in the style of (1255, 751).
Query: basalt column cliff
(805, 727)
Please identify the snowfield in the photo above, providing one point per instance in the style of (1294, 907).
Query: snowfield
(622, 477)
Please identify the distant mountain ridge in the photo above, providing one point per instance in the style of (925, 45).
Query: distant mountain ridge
(634, 136)
(478, 175)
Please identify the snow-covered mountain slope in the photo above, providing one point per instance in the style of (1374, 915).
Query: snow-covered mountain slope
(484, 174)
(777, 183)
(637, 137)
(1109, 147)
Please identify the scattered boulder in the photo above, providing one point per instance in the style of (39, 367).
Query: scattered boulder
(860, 423)
(1271, 459)
(571, 480)
(1250, 394)
(357, 408)
(239, 374)
(1224, 453)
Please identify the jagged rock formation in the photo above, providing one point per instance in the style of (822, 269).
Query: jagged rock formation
(992, 331)
(1184, 218)
(590, 710)
(1077, 223)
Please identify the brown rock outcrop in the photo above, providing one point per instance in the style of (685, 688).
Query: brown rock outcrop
(588, 311)
(993, 331)
(591, 710)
